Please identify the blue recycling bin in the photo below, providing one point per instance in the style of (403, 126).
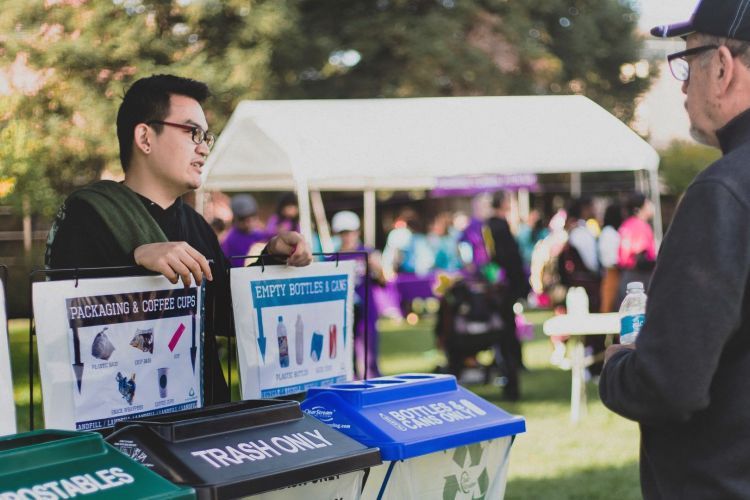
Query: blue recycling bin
(437, 439)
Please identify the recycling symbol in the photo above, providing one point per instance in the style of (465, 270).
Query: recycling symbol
(466, 481)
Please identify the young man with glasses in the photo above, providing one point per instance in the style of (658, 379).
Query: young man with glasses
(685, 380)
(164, 141)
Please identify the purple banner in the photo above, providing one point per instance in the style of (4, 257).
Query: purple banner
(474, 184)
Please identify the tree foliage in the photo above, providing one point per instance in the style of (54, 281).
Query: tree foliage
(682, 161)
(410, 48)
(65, 64)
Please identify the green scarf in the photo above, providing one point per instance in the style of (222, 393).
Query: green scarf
(121, 210)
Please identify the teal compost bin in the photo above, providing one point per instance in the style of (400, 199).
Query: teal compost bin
(64, 464)
(437, 440)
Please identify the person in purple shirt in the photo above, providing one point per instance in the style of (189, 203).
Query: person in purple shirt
(475, 235)
(245, 231)
(286, 217)
(345, 225)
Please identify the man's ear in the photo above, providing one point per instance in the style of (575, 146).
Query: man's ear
(725, 72)
(141, 137)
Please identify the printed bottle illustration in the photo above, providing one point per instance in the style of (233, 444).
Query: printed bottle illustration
(332, 344)
(283, 343)
(316, 346)
(299, 340)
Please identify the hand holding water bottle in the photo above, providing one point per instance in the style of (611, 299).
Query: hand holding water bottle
(632, 313)
(632, 317)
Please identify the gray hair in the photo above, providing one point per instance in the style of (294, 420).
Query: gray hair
(739, 48)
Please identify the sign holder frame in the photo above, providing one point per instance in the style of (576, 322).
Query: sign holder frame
(4, 276)
(77, 273)
(261, 261)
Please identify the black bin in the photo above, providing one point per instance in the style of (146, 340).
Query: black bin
(246, 448)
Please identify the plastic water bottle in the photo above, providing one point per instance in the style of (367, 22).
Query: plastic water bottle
(299, 340)
(632, 312)
(283, 343)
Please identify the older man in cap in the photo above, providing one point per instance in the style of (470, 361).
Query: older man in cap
(684, 381)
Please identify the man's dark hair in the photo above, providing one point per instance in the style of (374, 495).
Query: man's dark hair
(148, 99)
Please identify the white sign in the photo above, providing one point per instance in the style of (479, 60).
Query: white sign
(472, 471)
(294, 327)
(117, 348)
(7, 406)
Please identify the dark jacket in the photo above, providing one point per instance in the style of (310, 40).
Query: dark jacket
(687, 381)
(507, 255)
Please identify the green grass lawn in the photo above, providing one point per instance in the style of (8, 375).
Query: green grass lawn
(554, 459)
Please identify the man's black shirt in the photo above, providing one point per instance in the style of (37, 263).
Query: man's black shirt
(83, 239)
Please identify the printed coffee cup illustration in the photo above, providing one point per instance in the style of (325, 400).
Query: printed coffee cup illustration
(162, 377)
(102, 348)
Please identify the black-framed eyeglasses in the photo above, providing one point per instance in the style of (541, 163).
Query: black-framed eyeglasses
(198, 134)
(679, 65)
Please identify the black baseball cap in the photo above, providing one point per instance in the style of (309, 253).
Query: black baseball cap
(725, 18)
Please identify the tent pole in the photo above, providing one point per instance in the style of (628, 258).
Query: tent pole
(303, 199)
(653, 176)
(319, 211)
(524, 205)
(369, 217)
(575, 184)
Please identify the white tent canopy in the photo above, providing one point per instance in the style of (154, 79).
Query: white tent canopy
(370, 144)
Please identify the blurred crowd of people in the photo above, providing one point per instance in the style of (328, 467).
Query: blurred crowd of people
(536, 259)
(600, 255)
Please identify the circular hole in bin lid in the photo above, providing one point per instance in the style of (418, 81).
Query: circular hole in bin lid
(354, 385)
(383, 382)
(414, 377)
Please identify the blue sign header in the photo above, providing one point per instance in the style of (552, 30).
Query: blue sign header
(285, 292)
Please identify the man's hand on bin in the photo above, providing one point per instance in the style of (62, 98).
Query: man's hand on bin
(175, 260)
(611, 350)
(292, 246)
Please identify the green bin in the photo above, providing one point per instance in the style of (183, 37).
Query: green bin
(54, 464)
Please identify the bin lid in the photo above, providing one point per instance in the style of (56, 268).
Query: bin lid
(241, 448)
(66, 464)
(411, 414)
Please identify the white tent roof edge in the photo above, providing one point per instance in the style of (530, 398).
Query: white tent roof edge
(408, 143)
